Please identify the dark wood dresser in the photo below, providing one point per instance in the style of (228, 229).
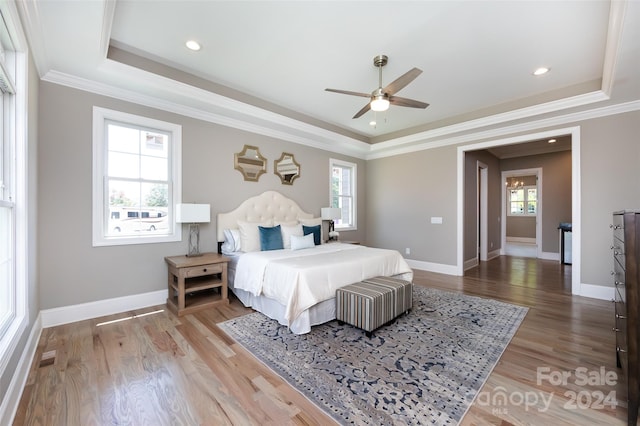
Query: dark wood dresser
(626, 253)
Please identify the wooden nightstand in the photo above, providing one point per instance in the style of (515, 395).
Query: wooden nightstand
(196, 282)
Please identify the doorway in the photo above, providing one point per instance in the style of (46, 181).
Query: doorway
(574, 134)
(522, 213)
(482, 226)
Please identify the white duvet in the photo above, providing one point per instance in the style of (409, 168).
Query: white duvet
(302, 278)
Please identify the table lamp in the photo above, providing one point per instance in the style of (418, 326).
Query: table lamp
(331, 214)
(193, 214)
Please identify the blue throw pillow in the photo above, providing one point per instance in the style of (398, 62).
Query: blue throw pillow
(270, 238)
(315, 230)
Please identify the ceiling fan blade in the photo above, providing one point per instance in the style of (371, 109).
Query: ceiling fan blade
(396, 100)
(400, 82)
(347, 92)
(366, 108)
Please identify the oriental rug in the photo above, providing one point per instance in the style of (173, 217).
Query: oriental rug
(425, 368)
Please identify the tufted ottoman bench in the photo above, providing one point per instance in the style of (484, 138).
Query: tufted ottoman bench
(373, 302)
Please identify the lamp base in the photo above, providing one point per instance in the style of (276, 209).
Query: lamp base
(194, 240)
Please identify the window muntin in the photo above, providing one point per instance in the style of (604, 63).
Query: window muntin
(522, 201)
(136, 179)
(343, 177)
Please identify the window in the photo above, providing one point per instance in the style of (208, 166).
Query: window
(14, 262)
(343, 192)
(523, 201)
(136, 178)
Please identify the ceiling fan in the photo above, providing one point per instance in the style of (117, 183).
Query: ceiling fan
(382, 97)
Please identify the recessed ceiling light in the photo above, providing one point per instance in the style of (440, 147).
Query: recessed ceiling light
(372, 123)
(193, 45)
(551, 140)
(541, 71)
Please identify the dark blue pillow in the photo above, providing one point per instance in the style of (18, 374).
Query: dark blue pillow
(270, 238)
(315, 230)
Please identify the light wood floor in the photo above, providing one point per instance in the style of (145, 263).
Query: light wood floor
(162, 370)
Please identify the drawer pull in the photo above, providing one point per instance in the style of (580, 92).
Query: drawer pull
(619, 349)
(615, 329)
(620, 316)
(204, 270)
(615, 248)
(615, 226)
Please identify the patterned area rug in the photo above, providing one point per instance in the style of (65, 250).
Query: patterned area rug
(425, 368)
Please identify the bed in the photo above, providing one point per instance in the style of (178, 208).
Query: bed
(296, 284)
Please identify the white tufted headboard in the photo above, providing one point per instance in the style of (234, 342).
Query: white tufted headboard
(268, 205)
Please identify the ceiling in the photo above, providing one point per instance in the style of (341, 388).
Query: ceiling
(264, 65)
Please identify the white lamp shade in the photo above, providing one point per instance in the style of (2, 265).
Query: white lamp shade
(379, 103)
(193, 213)
(331, 213)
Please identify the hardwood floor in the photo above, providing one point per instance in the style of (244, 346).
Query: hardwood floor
(158, 369)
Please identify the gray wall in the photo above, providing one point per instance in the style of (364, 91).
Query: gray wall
(404, 190)
(72, 271)
(494, 195)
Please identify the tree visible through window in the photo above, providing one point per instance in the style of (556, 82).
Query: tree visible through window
(139, 170)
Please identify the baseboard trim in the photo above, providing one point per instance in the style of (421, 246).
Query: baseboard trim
(597, 291)
(11, 399)
(83, 311)
(525, 240)
(433, 267)
(471, 263)
(493, 254)
(547, 255)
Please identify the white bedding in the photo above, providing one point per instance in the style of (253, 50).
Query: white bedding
(300, 279)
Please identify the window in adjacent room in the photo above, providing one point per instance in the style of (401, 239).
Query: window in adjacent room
(523, 201)
(136, 179)
(343, 192)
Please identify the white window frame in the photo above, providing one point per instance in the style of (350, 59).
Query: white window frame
(525, 201)
(100, 196)
(353, 225)
(15, 181)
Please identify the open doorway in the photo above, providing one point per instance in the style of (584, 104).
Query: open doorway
(551, 232)
(522, 209)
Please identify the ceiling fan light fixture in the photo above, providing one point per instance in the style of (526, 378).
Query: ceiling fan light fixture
(379, 103)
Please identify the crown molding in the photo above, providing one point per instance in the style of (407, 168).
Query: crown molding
(256, 120)
(514, 129)
(271, 124)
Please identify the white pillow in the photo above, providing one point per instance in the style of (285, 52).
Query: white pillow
(231, 241)
(288, 231)
(299, 243)
(250, 234)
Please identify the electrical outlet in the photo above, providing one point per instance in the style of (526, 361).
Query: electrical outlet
(407, 251)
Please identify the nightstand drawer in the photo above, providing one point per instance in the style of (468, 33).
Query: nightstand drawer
(198, 271)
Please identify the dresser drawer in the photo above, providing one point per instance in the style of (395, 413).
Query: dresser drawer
(618, 227)
(198, 271)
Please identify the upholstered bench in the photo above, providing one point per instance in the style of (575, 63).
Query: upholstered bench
(373, 302)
